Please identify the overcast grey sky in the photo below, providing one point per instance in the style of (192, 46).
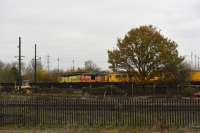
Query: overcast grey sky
(86, 29)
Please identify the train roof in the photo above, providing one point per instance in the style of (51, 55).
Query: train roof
(101, 73)
(72, 74)
(195, 71)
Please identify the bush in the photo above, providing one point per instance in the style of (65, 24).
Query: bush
(188, 91)
(141, 91)
(106, 90)
(46, 90)
(52, 90)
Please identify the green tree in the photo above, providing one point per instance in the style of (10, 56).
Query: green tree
(90, 66)
(42, 74)
(14, 74)
(29, 72)
(8, 72)
(144, 52)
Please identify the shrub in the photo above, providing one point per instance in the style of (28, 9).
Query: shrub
(188, 91)
(106, 90)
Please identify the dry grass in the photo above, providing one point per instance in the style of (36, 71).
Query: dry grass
(95, 130)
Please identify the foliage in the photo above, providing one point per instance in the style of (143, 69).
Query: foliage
(47, 90)
(29, 71)
(144, 52)
(141, 91)
(8, 72)
(42, 74)
(174, 72)
(90, 66)
(105, 90)
(188, 91)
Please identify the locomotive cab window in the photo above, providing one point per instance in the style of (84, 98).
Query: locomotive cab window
(93, 77)
(117, 76)
(124, 76)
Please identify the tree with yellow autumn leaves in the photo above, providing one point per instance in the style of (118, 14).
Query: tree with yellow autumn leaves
(145, 53)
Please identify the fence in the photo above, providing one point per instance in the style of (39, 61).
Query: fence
(53, 111)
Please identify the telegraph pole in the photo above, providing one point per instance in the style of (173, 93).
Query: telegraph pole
(35, 67)
(48, 62)
(195, 61)
(19, 58)
(73, 61)
(198, 62)
(20, 72)
(58, 64)
(192, 59)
